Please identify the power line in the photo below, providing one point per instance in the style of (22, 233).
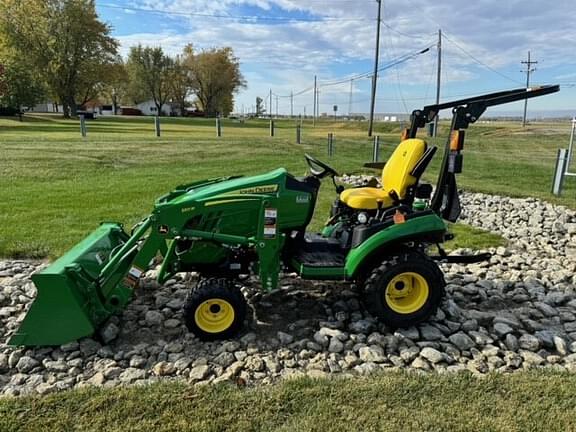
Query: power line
(411, 36)
(391, 63)
(390, 49)
(244, 18)
(480, 62)
(337, 81)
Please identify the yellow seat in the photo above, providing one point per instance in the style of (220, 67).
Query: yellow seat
(396, 178)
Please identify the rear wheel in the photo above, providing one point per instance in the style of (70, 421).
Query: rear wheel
(405, 290)
(215, 309)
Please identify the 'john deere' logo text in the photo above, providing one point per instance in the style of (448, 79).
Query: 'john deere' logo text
(259, 189)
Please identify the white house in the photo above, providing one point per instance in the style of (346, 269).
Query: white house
(149, 108)
(47, 107)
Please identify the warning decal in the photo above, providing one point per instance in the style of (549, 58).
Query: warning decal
(270, 219)
(133, 276)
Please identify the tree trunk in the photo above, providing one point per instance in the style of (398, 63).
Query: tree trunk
(72, 105)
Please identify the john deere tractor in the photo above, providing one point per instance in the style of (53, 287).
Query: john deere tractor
(228, 228)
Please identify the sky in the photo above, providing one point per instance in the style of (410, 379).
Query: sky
(283, 44)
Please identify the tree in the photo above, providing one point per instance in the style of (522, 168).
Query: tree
(149, 70)
(259, 106)
(115, 87)
(179, 82)
(20, 88)
(63, 39)
(215, 78)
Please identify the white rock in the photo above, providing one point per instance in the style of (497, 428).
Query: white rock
(199, 373)
(529, 342)
(26, 364)
(154, 318)
(335, 346)
(285, 338)
(462, 341)
(432, 355)
(372, 353)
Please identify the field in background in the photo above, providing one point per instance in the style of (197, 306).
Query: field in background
(531, 401)
(55, 187)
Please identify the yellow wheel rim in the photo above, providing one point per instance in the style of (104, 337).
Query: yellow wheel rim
(407, 292)
(214, 316)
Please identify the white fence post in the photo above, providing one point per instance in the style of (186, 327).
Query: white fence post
(560, 171)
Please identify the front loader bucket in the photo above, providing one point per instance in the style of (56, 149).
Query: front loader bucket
(69, 304)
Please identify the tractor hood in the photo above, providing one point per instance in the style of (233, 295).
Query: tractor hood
(224, 188)
(234, 205)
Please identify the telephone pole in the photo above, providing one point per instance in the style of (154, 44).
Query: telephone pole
(318, 103)
(315, 95)
(375, 77)
(350, 98)
(276, 106)
(438, 80)
(528, 71)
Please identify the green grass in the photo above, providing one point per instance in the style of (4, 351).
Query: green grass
(55, 187)
(473, 238)
(531, 401)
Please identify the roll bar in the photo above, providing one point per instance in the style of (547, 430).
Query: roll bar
(445, 201)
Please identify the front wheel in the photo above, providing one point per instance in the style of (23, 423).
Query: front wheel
(405, 290)
(215, 309)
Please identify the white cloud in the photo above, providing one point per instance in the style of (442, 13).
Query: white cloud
(286, 55)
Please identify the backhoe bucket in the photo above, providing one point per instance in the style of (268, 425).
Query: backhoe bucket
(69, 304)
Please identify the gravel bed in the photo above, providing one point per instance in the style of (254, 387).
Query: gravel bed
(515, 312)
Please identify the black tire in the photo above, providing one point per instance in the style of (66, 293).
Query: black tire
(383, 296)
(215, 309)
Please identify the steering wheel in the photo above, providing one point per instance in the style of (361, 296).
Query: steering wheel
(318, 168)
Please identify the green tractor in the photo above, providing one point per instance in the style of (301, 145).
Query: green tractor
(228, 228)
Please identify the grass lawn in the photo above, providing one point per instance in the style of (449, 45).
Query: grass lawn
(531, 401)
(55, 187)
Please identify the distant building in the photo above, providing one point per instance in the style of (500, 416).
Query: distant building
(149, 108)
(384, 117)
(47, 107)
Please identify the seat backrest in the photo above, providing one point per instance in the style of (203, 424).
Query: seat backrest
(396, 175)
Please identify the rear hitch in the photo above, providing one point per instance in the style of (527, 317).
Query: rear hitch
(463, 259)
(460, 259)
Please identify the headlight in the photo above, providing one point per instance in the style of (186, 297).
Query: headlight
(362, 218)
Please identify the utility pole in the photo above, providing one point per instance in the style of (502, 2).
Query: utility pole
(270, 104)
(276, 106)
(375, 77)
(314, 108)
(291, 104)
(350, 97)
(438, 80)
(529, 70)
(318, 103)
